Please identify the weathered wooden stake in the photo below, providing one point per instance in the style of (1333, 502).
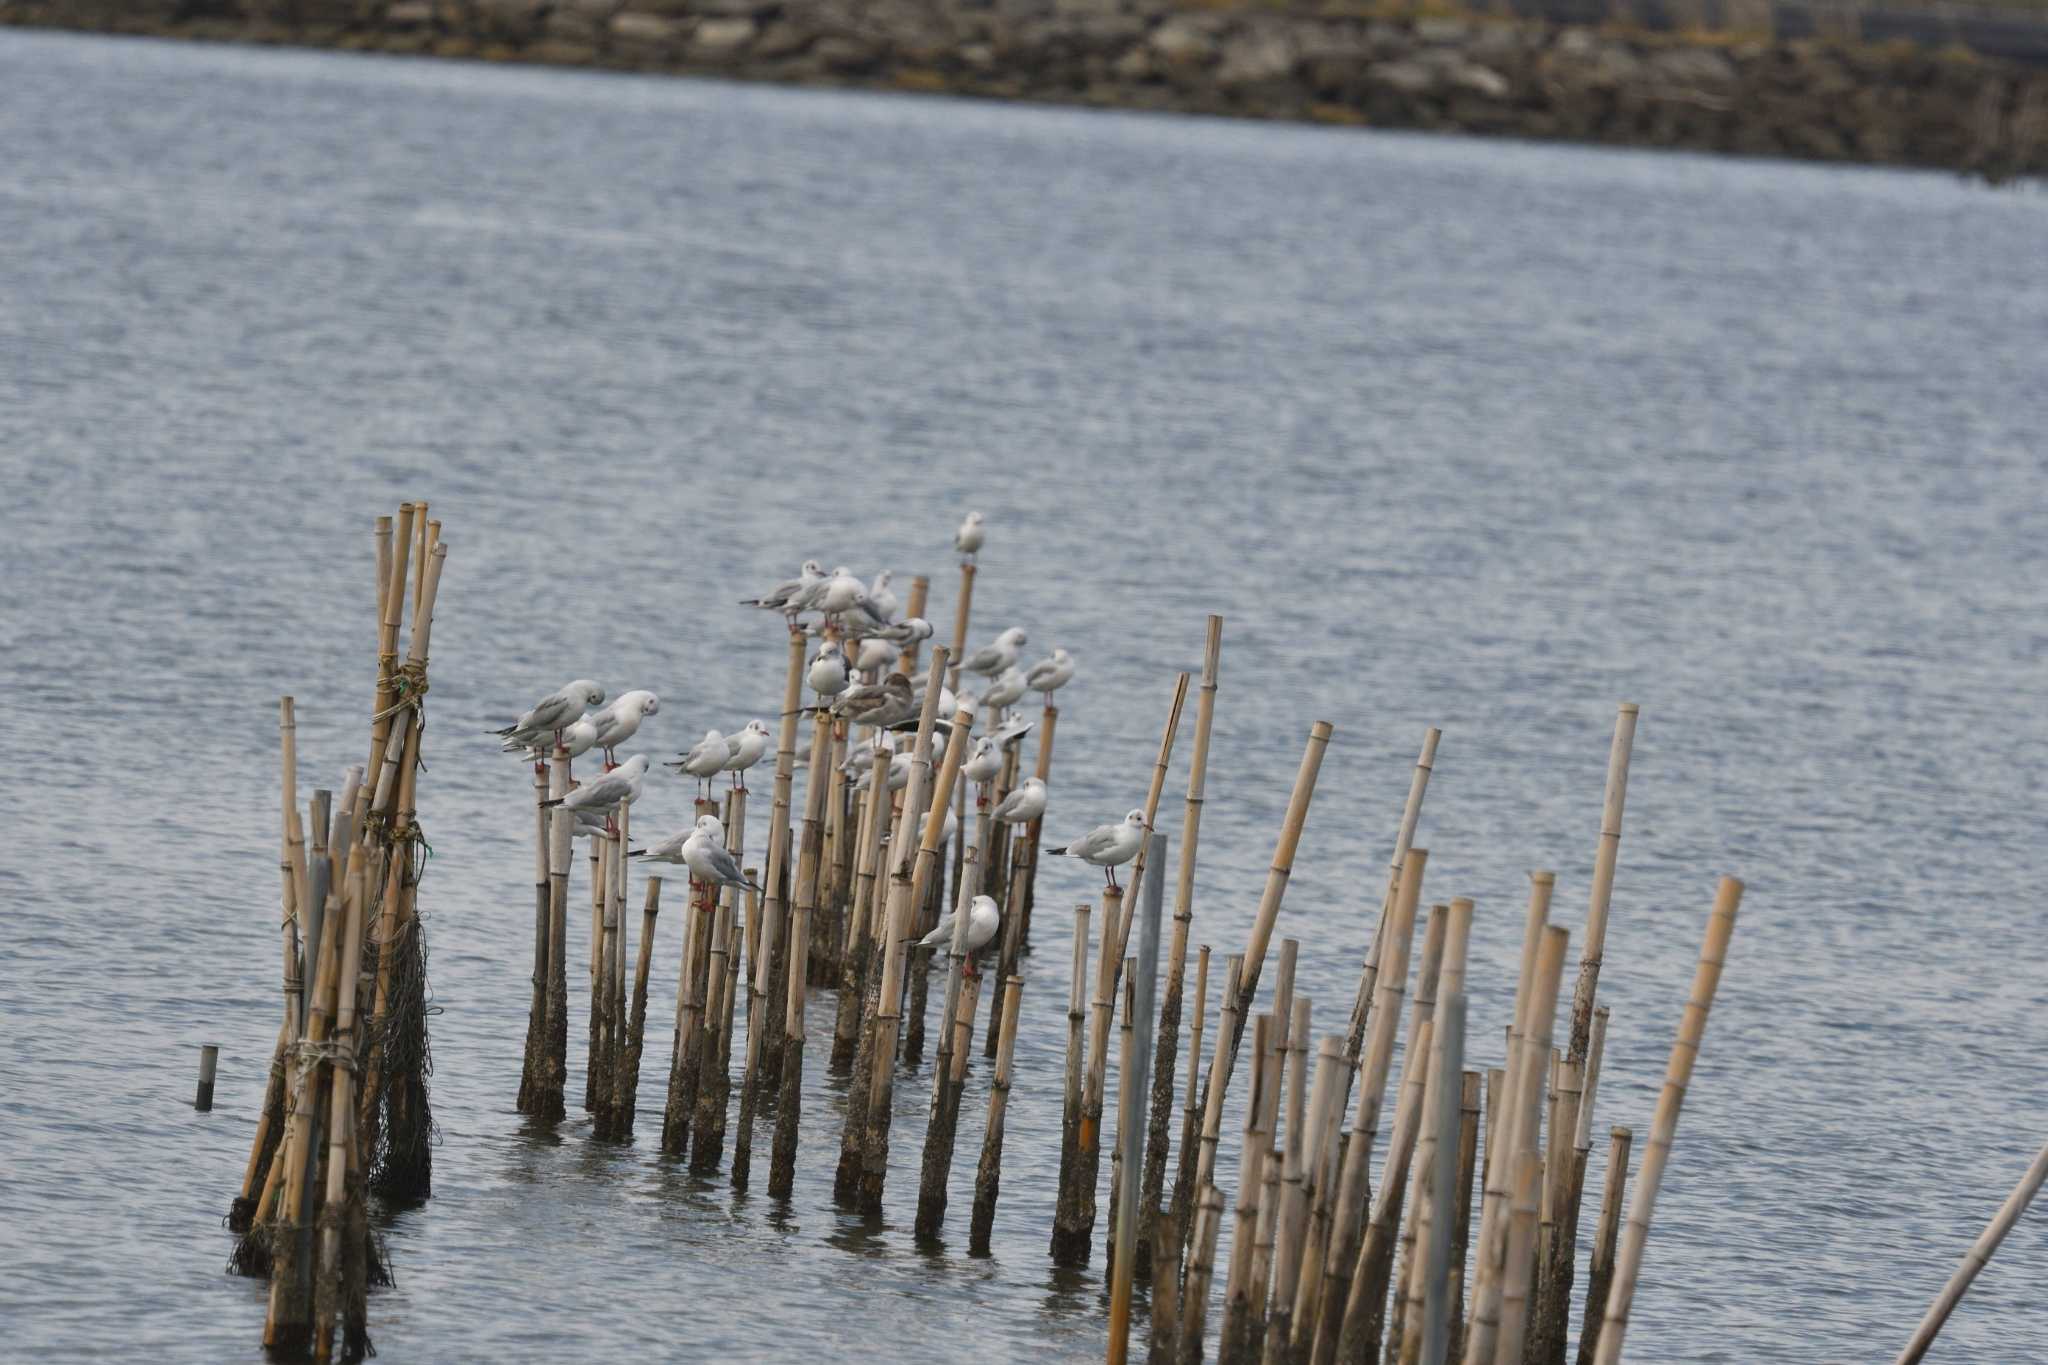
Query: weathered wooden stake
(1600, 1273)
(988, 1177)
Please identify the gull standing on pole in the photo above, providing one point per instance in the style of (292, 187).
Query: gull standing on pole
(706, 759)
(881, 599)
(1108, 846)
(1006, 690)
(967, 540)
(1048, 676)
(602, 795)
(984, 763)
(1025, 804)
(705, 854)
(876, 653)
(828, 675)
(992, 659)
(551, 713)
(982, 923)
(779, 597)
(744, 750)
(617, 723)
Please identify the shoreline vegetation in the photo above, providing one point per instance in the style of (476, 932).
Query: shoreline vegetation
(1822, 98)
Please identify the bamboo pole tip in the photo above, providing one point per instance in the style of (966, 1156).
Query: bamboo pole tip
(1628, 708)
(1321, 730)
(1620, 1133)
(1542, 878)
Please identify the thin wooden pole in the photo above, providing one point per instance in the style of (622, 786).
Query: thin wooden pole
(1461, 1232)
(1132, 1082)
(943, 1125)
(1974, 1261)
(1181, 1210)
(1692, 1027)
(782, 1160)
(1448, 1087)
(1201, 1265)
(1308, 1133)
(1237, 1308)
(988, 1177)
(1594, 945)
(1600, 1272)
(1064, 1209)
(1404, 839)
(548, 1096)
(1035, 831)
(1168, 1045)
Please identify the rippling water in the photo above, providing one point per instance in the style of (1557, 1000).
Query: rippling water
(1475, 434)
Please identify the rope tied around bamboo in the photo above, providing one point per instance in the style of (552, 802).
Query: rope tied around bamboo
(409, 680)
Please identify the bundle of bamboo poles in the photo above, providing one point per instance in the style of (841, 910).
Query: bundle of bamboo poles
(354, 996)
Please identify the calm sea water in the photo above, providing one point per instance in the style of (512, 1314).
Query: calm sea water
(1474, 434)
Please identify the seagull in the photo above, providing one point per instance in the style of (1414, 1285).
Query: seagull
(883, 703)
(551, 713)
(828, 676)
(783, 594)
(877, 653)
(967, 540)
(982, 922)
(669, 850)
(706, 759)
(881, 600)
(838, 593)
(992, 659)
(578, 739)
(984, 763)
(1006, 690)
(588, 823)
(1048, 676)
(602, 795)
(705, 854)
(1108, 846)
(744, 750)
(899, 773)
(905, 631)
(1025, 804)
(617, 722)
(1010, 732)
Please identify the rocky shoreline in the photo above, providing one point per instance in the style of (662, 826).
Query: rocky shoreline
(1811, 99)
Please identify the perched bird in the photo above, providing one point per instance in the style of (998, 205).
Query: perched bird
(706, 759)
(967, 540)
(881, 600)
(838, 593)
(984, 763)
(859, 759)
(590, 822)
(551, 713)
(705, 854)
(883, 703)
(1006, 690)
(992, 659)
(982, 923)
(1009, 732)
(1025, 804)
(828, 675)
(580, 738)
(744, 750)
(669, 850)
(603, 795)
(617, 723)
(779, 597)
(1048, 676)
(899, 774)
(1108, 846)
(876, 653)
(904, 631)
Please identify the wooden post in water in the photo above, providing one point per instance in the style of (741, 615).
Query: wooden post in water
(1218, 1085)
(1066, 1211)
(1035, 831)
(1435, 1145)
(1180, 1209)
(1245, 984)
(776, 881)
(1168, 1045)
(1014, 891)
(1974, 1261)
(1237, 1305)
(628, 1099)
(1309, 1134)
(1692, 1027)
(906, 890)
(1404, 838)
(1600, 1271)
(943, 1123)
(782, 1161)
(862, 948)
(537, 1013)
(1131, 1087)
(1430, 1327)
(1202, 1260)
(714, 1070)
(988, 1177)
(548, 1094)
(1322, 1320)
(1074, 1224)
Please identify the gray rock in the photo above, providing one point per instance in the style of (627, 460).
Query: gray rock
(1700, 67)
(409, 14)
(1407, 78)
(1259, 55)
(1442, 32)
(1180, 41)
(635, 27)
(1475, 79)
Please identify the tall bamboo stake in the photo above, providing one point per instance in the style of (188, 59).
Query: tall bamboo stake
(1035, 831)
(548, 1097)
(1434, 1144)
(1218, 1085)
(714, 1071)
(782, 1161)
(1564, 1171)
(1404, 838)
(1237, 1306)
(1015, 888)
(913, 607)
(628, 1099)
(1066, 1209)
(1141, 976)
(1168, 1044)
(1461, 1229)
(1074, 1220)
(1433, 1301)
(1180, 1210)
(1308, 1137)
(776, 884)
(1600, 1272)
(1595, 943)
(1974, 1260)
(988, 1177)
(906, 890)
(1692, 1027)
(1365, 1307)
(699, 921)
(943, 1124)
(1319, 1308)
(331, 1295)
(1521, 1251)
(1202, 1260)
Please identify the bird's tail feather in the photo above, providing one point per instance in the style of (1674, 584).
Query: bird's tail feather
(556, 802)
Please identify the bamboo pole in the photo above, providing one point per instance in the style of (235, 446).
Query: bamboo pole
(1564, 1170)
(1461, 1230)
(1608, 855)
(1014, 891)
(1289, 1209)
(1168, 1044)
(548, 1097)
(387, 640)
(776, 884)
(1180, 1210)
(536, 1018)
(1319, 1316)
(1600, 1271)
(1218, 1085)
(1974, 1261)
(1269, 1162)
(1521, 1252)
(961, 610)
(1427, 1230)
(1308, 1139)
(1201, 1263)
(1433, 1300)
(906, 890)
(683, 1075)
(1140, 977)
(1035, 831)
(862, 950)
(1404, 838)
(628, 1098)
(1522, 1119)
(913, 608)
(943, 1125)
(1065, 1209)
(1628, 1260)
(782, 1160)
(1074, 1223)
(714, 1070)
(330, 1294)
(1237, 1309)
(988, 1177)
(1365, 1304)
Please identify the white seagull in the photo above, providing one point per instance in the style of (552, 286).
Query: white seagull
(551, 713)
(706, 759)
(838, 593)
(992, 659)
(602, 795)
(783, 594)
(967, 540)
(877, 653)
(984, 763)
(705, 854)
(744, 750)
(828, 675)
(1006, 690)
(1048, 676)
(617, 723)
(1108, 846)
(1025, 804)
(881, 598)
(982, 923)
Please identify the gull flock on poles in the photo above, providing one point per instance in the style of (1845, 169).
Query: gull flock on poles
(1365, 1218)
